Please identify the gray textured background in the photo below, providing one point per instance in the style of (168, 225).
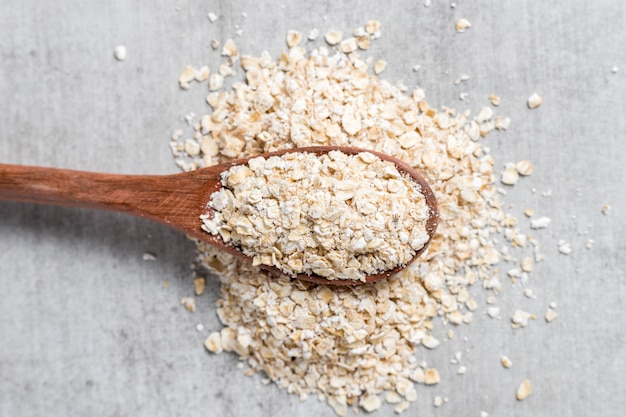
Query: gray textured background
(88, 328)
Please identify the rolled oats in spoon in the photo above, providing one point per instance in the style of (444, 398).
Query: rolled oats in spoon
(334, 215)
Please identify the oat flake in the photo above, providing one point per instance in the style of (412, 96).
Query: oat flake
(524, 390)
(534, 101)
(120, 52)
(462, 25)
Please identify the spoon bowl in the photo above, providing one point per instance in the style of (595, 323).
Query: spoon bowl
(174, 200)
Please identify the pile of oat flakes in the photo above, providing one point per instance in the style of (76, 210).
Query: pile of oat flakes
(351, 346)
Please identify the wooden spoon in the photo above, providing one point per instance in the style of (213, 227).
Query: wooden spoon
(175, 200)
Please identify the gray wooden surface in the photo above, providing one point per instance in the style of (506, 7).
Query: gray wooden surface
(88, 328)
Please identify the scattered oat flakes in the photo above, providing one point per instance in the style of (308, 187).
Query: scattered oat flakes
(226, 70)
(431, 376)
(393, 397)
(463, 77)
(338, 405)
(506, 362)
(212, 17)
(370, 403)
(348, 45)
(534, 101)
(520, 318)
(524, 390)
(589, 243)
(363, 42)
(527, 264)
(462, 25)
(120, 52)
(430, 342)
(192, 148)
(564, 247)
(529, 212)
(524, 167)
(484, 414)
(149, 256)
(380, 66)
(502, 123)
(359, 31)
(177, 134)
(606, 209)
(189, 119)
(540, 223)
(213, 343)
(189, 303)
(416, 68)
(493, 312)
(188, 75)
(216, 81)
(215, 44)
(199, 285)
(401, 407)
(333, 37)
(520, 240)
(462, 370)
(230, 49)
(550, 315)
(615, 69)
(202, 74)
(510, 174)
(528, 293)
(438, 401)
(293, 38)
(469, 196)
(495, 100)
(372, 26)
(484, 114)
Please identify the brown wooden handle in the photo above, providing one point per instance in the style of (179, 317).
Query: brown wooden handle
(66, 187)
(141, 195)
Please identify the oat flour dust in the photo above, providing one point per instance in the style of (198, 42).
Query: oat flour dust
(350, 346)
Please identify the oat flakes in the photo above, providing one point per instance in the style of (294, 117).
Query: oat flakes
(335, 215)
(348, 344)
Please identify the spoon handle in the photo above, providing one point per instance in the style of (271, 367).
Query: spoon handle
(151, 196)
